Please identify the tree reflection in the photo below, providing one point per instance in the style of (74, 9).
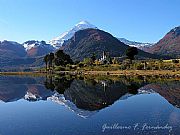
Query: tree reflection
(133, 88)
(49, 83)
(94, 94)
(60, 84)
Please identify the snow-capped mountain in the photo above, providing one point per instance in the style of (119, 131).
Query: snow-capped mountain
(58, 41)
(136, 44)
(37, 48)
(33, 44)
(61, 100)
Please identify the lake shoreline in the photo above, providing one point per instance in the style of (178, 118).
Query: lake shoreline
(116, 73)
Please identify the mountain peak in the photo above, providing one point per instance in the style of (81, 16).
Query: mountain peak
(83, 25)
(57, 42)
(83, 22)
(176, 28)
(176, 31)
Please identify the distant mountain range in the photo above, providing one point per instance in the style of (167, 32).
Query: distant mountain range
(11, 49)
(80, 42)
(139, 45)
(13, 54)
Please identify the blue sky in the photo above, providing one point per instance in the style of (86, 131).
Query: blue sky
(137, 20)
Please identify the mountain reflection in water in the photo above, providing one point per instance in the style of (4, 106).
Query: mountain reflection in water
(83, 96)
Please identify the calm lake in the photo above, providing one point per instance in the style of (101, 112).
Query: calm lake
(88, 106)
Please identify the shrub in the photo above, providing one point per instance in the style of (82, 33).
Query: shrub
(175, 61)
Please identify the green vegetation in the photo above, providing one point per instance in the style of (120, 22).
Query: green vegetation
(131, 52)
(59, 62)
(62, 59)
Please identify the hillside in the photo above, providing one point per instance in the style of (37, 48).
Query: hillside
(86, 42)
(168, 45)
(9, 49)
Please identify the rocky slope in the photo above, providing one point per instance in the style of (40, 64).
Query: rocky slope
(168, 45)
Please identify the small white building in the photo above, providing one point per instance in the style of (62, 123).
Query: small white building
(105, 59)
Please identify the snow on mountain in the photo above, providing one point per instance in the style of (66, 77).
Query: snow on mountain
(58, 41)
(33, 44)
(60, 99)
(32, 97)
(136, 44)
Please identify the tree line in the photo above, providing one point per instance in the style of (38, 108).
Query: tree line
(58, 58)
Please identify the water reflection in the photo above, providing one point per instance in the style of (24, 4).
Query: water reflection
(169, 90)
(90, 94)
(54, 104)
(82, 95)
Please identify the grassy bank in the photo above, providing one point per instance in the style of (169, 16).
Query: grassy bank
(136, 72)
(165, 73)
(23, 73)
